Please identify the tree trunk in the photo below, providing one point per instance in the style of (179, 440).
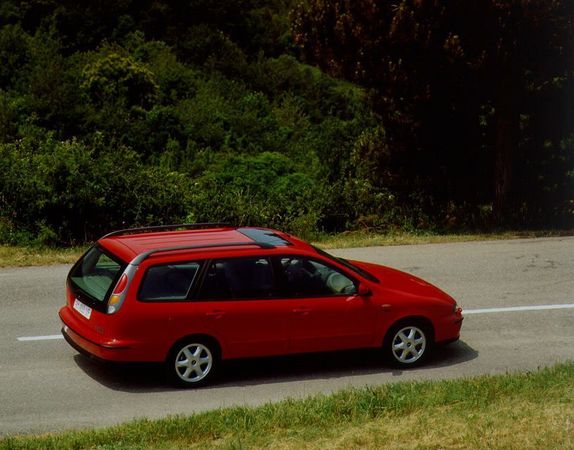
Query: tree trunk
(506, 145)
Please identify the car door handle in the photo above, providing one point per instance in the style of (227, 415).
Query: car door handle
(217, 314)
(302, 311)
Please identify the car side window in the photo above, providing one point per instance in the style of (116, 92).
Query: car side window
(304, 277)
(168, 282)
(237, 278)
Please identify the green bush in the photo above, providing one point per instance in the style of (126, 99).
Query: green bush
(207, 46)
(114, 78)
(14, 53)
(175, 80)
(67, 192)
(264, 190)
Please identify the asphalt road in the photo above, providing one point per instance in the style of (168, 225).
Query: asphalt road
(46, 386)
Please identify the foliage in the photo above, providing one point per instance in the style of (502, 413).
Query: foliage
(462, 107)
(14, 53)
(265, 188)
(116, 78)
(125, 113)
(65, 191)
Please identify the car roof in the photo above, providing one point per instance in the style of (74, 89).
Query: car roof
(128, 244)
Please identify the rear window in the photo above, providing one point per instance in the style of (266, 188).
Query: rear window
(168, 282)
(96, 273)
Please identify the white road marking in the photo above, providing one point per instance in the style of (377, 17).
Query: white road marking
(41, 338)
(517, 308)
(464, 312)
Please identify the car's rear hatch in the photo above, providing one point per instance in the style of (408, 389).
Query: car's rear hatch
(89, 286)
(92, 280)
(95, 289)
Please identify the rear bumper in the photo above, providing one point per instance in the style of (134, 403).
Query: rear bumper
(66, 333)
(93, 346)
(94, 350)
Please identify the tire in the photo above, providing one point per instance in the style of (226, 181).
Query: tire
(408, 344)
(193, 363)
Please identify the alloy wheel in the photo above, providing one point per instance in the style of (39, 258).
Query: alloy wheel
(193, 363)
(409, 344)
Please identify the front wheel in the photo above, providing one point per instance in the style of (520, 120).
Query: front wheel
(408, 344)
(192, 363)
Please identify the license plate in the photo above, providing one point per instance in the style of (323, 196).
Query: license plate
(84, 310)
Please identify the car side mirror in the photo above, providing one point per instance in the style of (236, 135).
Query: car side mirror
(364, 290)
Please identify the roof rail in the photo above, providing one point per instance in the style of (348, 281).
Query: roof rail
(187, 226)
(145, 255)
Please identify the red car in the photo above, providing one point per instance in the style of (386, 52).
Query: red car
(193, 295)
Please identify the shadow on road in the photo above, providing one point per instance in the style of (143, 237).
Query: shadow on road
(141, 378)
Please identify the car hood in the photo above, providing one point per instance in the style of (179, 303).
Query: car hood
(404, 283)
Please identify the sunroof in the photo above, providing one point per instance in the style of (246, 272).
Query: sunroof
(264, 236)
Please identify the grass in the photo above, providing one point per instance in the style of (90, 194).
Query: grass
(20, 256)
(368, 239)
(17, 256)
(515, 411)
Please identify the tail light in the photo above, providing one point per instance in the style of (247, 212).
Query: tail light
(120, 290)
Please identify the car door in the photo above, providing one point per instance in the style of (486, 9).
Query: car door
(326, 311)
(239, 308)
(163, 312)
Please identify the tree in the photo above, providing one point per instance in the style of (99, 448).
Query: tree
(449, 79)
(113, 77)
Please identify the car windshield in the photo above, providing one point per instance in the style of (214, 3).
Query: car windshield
(348, 265)
(95, 273)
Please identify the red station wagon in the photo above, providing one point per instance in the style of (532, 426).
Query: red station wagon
(192, 295)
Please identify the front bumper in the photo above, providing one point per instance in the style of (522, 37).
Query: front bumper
(448, 328)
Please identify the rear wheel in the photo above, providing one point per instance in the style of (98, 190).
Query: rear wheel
(408, 344)
(193, 363)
